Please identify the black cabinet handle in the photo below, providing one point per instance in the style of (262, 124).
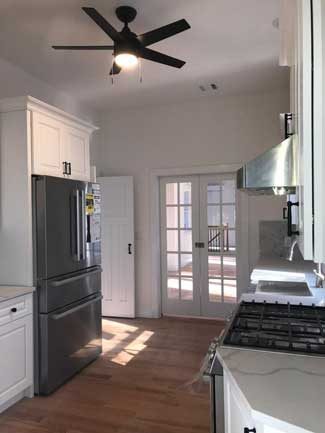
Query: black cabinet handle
(65, 167)
(129, 248)
(249, 430)
(14, 310)
(291, 232)
(284, 213)
(69, 168)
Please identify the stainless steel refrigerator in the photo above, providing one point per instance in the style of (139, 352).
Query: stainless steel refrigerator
(67, 246)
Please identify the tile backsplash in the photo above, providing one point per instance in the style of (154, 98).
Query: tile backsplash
(271, 238)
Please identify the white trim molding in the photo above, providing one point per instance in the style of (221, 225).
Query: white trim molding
(27, 102)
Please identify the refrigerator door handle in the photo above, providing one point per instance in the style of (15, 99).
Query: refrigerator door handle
(78, 224)
(83, 220)
(59, 283)
(78, 307)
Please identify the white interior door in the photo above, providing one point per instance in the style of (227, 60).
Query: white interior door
(118, 286)
(198, 245)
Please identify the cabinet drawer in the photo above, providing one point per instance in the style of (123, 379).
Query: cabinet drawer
(15, 309)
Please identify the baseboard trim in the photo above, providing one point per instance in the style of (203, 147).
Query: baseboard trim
(12, 401)
(215, 319)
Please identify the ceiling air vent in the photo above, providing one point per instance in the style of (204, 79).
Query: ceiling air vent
(208, 88)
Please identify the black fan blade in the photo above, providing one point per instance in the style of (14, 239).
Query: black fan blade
(83, 47)
(103, 24)
(115, 69)
(155, 56)
(164, 32)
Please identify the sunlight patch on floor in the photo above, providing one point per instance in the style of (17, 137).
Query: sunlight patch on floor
(114, 336)
(132, 349)
(114, 333)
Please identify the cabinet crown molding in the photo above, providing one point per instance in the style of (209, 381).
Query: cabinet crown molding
(28, 102)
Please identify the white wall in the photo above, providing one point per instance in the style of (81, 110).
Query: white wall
(16, 82)
(221, 130)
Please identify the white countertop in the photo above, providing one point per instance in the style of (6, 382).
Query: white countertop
(279, 269)
(10, 292)
(284, 391)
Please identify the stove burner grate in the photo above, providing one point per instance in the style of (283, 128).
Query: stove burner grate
(278, 327)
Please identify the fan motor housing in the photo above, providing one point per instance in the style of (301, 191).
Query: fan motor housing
(126, 14)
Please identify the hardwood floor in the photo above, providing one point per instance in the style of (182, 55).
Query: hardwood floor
(138, 385)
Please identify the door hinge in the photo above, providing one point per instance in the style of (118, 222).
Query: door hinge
(199, 245)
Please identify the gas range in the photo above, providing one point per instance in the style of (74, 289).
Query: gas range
(277, 327)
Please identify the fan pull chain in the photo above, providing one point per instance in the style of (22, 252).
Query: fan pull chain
(112, 76)
(140, 71)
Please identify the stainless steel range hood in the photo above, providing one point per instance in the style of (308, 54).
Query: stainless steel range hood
(274, 172)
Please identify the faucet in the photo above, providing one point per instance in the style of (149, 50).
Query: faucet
(320, 277)
(291, 249)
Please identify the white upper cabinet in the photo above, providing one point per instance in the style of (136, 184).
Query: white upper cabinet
(47, 146)
(301, 107)
(58, 141)
(58, 149)
(76, 153)
(319, 129)
(308, 106)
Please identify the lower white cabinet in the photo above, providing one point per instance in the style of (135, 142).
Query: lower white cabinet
(237, 412)
(239, 416)
(16, 351)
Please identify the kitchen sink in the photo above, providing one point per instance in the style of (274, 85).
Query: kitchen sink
(288, 288)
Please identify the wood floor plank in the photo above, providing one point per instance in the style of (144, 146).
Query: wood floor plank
(138, 385)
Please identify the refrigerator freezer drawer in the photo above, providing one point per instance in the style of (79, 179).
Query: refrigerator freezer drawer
(59, 292)
(70, 338)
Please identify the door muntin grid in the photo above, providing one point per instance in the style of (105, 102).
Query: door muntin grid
(221, 225)
(198, 280)
(179, 240)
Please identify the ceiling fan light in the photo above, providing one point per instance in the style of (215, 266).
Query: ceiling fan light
(126, 60)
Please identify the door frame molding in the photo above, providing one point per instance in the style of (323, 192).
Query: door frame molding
(154, 204)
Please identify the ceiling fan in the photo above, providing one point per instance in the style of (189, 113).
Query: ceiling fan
(128, 46)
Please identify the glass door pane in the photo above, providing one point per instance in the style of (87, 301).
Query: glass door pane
(218, 258)
(179, 224)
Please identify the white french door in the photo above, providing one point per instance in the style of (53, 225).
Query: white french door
(198, 245)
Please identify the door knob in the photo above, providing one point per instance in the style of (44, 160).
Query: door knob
(249, 430)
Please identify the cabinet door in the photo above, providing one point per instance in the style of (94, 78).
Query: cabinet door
(237, 414)
(319, 129)
(77, 153)
(301, 106)
(16, 360)
(47, 145)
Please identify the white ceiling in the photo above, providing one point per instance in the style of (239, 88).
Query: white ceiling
(231, 43)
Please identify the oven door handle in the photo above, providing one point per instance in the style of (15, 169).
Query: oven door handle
(59, 283)
(77, 308)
